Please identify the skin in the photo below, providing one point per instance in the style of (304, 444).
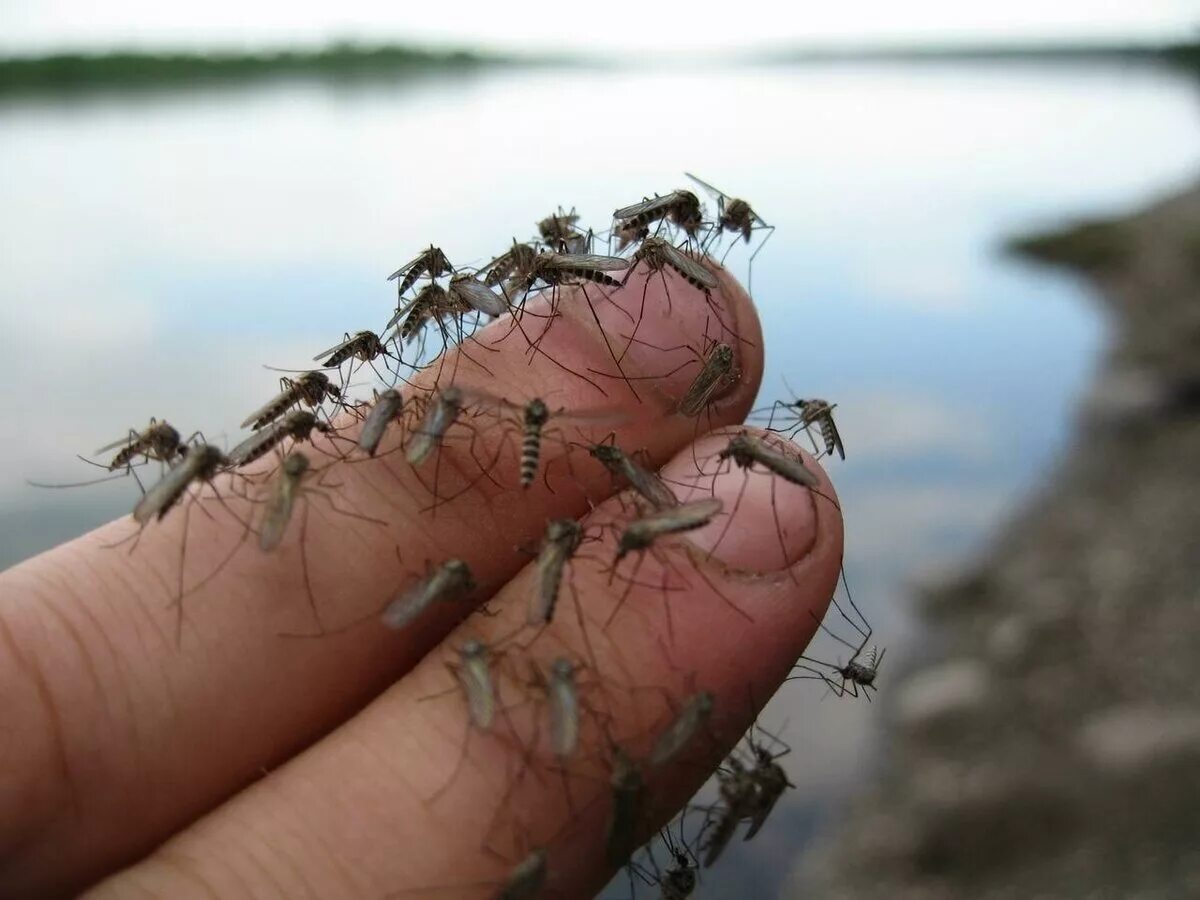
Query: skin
(239, 762)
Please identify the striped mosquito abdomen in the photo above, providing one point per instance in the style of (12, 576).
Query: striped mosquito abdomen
(299, 425)
(431, 262)
(592, 275)
(159, 441)
(537, 414)
(863, 672)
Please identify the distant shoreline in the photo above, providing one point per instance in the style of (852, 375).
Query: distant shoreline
(73, 72)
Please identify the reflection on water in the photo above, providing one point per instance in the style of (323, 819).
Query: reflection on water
(156, 248)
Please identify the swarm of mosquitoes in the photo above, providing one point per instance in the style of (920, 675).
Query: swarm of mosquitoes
(661, 234)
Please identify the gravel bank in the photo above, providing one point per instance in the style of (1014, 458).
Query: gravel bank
(1053, 749)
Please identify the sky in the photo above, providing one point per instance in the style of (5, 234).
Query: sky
(669, 29)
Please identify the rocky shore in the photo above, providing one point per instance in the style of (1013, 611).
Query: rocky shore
(1051, 747)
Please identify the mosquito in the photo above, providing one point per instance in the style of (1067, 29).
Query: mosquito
(387, 408)
(311, 388)
(450, 581)
(563, 269)
(717, 375)
(514, 263)
(562, 539)
(694, 715)
(860, 671)
(628, 799)
(158, 441)
(815, 412)
(679, 882)
(745, 451)
(442, 412)
(466, 290)
(659, 254)
(473, 674)
(362, 345)
(534, 416)
(641, 533)
(649, 486)
(737, 217)
(287, 488)
(770, 781)
(560, 232)
(682, 208)
(435, 304)
(298, 425)
(201, 464)
(431, 262)
(430, 303)
(738, 793)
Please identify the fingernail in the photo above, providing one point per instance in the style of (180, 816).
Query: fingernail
(768, 524)
(660, 327)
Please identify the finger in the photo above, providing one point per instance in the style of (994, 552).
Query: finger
(353, 816)
(114, 713)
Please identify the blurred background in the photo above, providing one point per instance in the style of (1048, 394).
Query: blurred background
(187, 194)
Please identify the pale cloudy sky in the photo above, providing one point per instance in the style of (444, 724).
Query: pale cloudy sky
(692, 25)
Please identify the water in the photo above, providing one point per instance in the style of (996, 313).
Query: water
(157, 247)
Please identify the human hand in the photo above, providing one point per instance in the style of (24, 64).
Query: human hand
(242, 763)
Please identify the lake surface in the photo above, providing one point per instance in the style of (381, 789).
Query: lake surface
(157, 247)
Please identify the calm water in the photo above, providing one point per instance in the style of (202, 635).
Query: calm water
(155, 248)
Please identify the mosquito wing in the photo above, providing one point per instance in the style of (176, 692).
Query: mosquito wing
(422, 259)
(269, 410)
(382, 414)
(716, 192)
(252, 447)
(128, 441)
(587, 261)
(689, 267)
(652, 205)
(650, 487)
(478, 296)
(168, 489)
(835, 435)
(278, 512)
(682, 517)
(337, 348)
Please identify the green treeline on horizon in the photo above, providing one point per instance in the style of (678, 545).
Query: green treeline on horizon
(134, 68)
